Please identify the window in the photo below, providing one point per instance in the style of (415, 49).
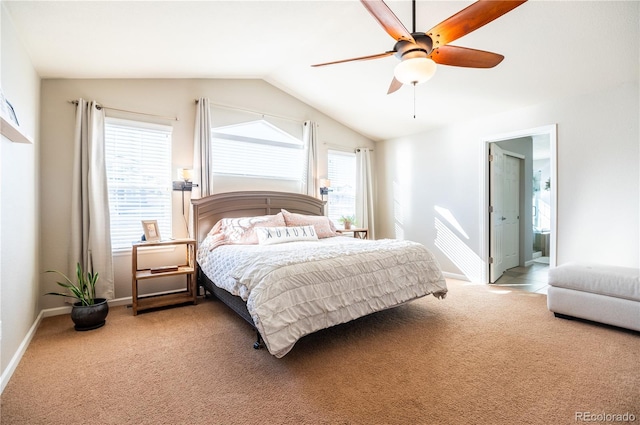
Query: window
(138, 161)
(257, 149)
(342, 174)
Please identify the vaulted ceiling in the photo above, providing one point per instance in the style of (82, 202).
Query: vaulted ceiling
(552, 49)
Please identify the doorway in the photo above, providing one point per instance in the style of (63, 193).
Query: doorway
(523, 144)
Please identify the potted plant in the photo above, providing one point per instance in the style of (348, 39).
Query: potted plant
(347, 221)
(88, 312)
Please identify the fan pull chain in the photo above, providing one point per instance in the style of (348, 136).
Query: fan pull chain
(414, 101)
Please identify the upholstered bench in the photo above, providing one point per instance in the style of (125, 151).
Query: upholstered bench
(605, 294)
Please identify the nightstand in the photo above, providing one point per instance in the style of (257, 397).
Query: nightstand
(358, 232)
(188, 269)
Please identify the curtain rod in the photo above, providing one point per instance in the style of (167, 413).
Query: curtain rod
(75, 102)
(343, 148)
(253, 112)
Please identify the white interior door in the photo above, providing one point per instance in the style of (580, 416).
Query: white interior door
(511, 211)
(504, 212)
(496, 217)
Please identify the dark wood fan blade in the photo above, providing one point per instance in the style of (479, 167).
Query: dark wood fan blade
(362, 58)
(470, 19)
(462, 56)
(388, 20)
(395, 85)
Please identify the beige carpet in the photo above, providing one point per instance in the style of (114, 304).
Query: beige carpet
(481, 356)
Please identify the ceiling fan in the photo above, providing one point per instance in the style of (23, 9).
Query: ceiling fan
(419, 52)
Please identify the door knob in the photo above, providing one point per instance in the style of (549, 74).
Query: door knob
(503, 218)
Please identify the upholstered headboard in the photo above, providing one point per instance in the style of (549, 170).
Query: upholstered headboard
(208, 210)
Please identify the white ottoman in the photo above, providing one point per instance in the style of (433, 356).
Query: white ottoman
(605, 294)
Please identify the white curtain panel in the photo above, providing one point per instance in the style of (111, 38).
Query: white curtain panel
(309, 136)
(364, 191)
(90, 223)
(202, 173)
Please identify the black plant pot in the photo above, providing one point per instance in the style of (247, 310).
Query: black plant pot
(87, 317)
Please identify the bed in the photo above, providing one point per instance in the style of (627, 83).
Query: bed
(313, 280)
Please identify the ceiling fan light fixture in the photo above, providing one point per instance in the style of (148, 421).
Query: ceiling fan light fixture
(415, 70)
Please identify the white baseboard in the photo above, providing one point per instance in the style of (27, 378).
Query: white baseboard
(120, 301)
(13, 364)
(455, 276)
(49, 312)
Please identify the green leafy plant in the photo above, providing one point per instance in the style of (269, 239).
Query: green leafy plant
(84, 290)
(347, 219)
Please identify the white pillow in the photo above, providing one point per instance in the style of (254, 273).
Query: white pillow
(274, 235)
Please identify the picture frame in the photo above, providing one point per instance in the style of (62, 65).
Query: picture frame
(11, 112)
(151, 230)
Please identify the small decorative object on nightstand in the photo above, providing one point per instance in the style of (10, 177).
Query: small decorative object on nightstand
(187, 269)
(358, 232)
(347, 221)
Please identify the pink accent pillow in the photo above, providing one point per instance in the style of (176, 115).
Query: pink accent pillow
(324, 227)
(239, 231)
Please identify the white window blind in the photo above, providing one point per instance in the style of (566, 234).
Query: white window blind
(138, 159)
(257, 149)
(342, 175)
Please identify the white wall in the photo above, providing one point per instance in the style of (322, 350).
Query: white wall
(598, 211)
(19, 267)
(163, 97)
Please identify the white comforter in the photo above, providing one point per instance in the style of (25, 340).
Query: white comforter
(297, 288)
